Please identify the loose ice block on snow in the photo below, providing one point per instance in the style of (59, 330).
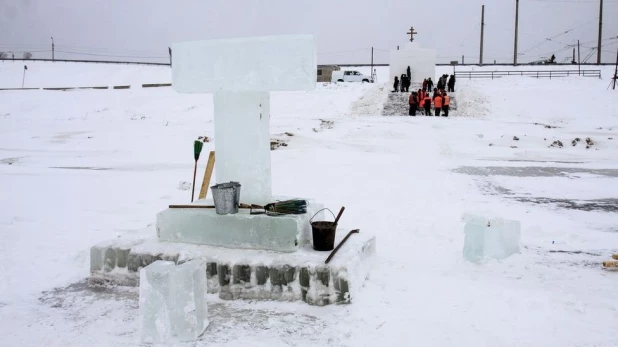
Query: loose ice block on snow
(490, 238)
(172, 301)
(270, 63)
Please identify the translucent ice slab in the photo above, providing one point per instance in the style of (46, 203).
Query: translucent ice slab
(271, 63)
(172, 301)
(494, 238)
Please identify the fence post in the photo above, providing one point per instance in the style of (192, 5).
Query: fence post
(550, 74)
(492, 75)
(537, 75)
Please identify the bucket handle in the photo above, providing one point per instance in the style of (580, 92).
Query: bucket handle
(331, 212)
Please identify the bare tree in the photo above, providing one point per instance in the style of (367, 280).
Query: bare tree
(3, 55)
(27, 55)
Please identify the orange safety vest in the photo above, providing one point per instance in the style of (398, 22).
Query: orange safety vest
(438, 102)
(447, 100)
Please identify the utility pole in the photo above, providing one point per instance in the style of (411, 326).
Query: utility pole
(53, 49)
(482, 34)
(600, 33)
(462, 60)
(616, 71)
(169, 49)
(372, 77)
(579, 60)
(516, 31)
(24, 78)
(573, 61)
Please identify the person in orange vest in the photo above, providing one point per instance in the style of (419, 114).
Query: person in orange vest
(438, 101)
(427, 105)
(419, 99)
(446, 103)
(413, 101)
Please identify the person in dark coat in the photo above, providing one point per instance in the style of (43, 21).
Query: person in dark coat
(451, 84)
(409, 73)
(396, 84)
(429, 85)
(439, 86)
(402, 80)
(424, 87)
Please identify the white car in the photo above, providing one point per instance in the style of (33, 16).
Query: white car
(350, 76)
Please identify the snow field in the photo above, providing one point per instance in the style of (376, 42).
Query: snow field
(81, 167)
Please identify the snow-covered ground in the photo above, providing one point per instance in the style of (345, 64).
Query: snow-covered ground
(79, 167)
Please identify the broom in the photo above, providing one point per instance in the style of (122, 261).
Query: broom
(197, 150)
(294, 206)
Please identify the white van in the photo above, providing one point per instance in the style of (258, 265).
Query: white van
(350, 76)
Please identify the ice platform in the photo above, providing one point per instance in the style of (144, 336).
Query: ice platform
(244, 273)
(205, 227)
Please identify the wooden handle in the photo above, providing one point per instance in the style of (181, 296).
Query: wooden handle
(339, 215)
(355, 231)
(207, 175)
(242, 206)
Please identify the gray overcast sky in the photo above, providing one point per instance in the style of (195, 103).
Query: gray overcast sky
(345, 29)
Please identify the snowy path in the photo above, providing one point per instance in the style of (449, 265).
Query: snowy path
(408, 180)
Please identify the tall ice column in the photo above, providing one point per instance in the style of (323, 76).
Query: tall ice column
(242, 137)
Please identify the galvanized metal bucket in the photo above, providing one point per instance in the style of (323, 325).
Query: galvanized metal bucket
(226, 197)
(236, 186)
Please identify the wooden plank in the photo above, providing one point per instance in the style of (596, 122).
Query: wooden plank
(122, 87)
(610, 264)
(154, 85)
(207, 175)
(615, 256)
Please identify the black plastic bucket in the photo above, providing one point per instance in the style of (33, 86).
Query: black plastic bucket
(323, 233)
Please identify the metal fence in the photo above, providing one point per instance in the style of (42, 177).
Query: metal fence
(537, 74)
(8, 60)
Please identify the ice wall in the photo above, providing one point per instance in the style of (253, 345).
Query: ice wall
(422, 62)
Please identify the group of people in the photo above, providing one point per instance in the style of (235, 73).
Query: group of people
(402, 83)
(422, 101)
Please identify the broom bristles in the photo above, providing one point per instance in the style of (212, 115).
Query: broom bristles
(295, 206)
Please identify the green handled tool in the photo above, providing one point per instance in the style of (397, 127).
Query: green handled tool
(197, 150)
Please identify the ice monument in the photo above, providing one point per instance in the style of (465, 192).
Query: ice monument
(422, 61)
(172, 301)
(257, 257)
(490, 238)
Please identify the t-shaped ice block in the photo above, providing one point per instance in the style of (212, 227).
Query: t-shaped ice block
(269, 63)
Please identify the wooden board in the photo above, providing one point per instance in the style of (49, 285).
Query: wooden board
(207, 175)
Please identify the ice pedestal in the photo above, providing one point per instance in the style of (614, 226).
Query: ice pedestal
(172, 301)
(490, 238)
(242, 230)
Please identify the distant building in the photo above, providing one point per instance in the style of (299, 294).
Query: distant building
(325, 72)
